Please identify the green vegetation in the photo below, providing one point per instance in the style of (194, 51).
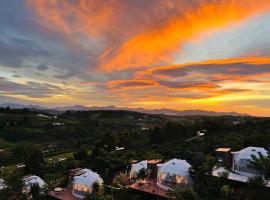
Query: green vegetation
(50, 146)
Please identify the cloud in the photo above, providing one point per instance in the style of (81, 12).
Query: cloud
(42, 67)
(29, 89)
(131, 53)
(189, 85)
(141, 34)
(215, 70)
(14, 51)
(66, 75)
(17, 76)
(130, 84)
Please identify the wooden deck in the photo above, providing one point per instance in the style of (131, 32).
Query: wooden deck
(151, 187)
(66, 194)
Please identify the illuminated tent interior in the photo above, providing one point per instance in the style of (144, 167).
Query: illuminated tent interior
(174, 174)
(242, 160)
(83, 184)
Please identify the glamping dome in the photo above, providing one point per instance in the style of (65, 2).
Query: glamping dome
(29, 181)
(83, 183)
(242, 160)
(135, 168)
(174, 173)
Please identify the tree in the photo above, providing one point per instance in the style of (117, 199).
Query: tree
(81, 154)
(96, 196)
(261, 164)
(183, 194)
(256, 182)
(155, 136)
(141, 174)
(14, 181)
(14, 188)
(35, 192)
(226, 192)
(34, 161)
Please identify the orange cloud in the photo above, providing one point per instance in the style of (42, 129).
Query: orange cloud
(83, 16)
(261, 68)
(130, 84)
(133, 39)
(155, 46)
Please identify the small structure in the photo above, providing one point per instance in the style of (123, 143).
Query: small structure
(29, 181)
(58, 124)
(152, 168)
(83, 183)
(174, 173)
(119, 148)
(224, 157)
(242, 161)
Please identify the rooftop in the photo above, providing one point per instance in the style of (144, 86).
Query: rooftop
(154, 162)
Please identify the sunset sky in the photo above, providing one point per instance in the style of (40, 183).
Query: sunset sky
(179, 54)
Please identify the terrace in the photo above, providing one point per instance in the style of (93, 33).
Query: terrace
(149, 186)
(218, 171)
(63, 194)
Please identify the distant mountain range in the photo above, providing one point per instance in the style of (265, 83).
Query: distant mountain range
(141, 110)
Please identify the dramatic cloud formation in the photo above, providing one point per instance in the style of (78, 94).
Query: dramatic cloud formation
(130, 43)
(179, 54)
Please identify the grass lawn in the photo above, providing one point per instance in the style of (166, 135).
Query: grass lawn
(63, 155)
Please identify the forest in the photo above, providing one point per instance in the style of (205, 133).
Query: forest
(88, 139)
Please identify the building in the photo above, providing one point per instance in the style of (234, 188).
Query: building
(224, 157)
(174, 174)
(83, 182)
(242, 160)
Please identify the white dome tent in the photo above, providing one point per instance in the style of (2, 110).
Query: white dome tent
(29, 181)
(83, 183)
(242, 160)
(135, 168)
(174, 173)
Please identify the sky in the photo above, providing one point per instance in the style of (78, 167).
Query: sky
(177, 54)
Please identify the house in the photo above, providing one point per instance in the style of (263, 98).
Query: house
(83, 182)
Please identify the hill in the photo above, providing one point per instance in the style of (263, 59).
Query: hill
(141, 110)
